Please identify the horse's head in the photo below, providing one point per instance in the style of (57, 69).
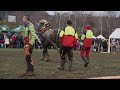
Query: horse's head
(43, 23)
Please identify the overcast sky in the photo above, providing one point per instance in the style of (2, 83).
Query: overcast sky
(95, 12)
(53, 12)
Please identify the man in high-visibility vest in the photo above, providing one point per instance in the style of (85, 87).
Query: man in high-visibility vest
(87, 43)
(68, 38)
(29, 40)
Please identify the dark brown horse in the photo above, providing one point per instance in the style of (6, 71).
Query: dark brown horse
(48, 37)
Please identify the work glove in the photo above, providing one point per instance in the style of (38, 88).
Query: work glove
(81, 45)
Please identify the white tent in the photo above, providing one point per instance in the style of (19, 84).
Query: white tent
(100, 36)
(115, 34)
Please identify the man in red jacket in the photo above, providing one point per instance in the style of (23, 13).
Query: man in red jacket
(87, 43)
(68, 37)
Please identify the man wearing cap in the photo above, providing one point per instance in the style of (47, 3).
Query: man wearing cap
(87, 43)
(68, 38)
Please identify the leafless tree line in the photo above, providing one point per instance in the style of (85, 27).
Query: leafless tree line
(103, 24)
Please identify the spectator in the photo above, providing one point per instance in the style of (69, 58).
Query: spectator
(14, 40)
(105, 46)
(113, 46)
(6, 42)
(99, 45)
(18, 40)
(2, 40)
(10, 40)
(92, 48)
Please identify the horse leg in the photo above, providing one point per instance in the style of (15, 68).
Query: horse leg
(43, 57)
(46, 55)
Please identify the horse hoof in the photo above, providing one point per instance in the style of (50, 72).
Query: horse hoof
(47, 60)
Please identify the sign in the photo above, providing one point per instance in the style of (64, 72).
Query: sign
(11, 18)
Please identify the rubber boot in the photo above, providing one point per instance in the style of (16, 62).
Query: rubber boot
(66, 58)
(86, 64)
(62, 65)
(86, 61)
(70, 65)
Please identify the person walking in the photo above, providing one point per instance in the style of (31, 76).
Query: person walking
(87, 43)
(68, 38)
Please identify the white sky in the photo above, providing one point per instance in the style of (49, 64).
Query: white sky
(53, 12)
(95, 12)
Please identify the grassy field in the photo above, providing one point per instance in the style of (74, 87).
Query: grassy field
(13, 64)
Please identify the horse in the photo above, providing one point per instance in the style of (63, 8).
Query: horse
(48, 37)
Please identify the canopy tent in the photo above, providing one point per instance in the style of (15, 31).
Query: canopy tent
(4, 28)
(115, 34)
(20, 28)
(100, 36)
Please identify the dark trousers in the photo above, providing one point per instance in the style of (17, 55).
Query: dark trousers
(66, 50)
(18, 44)
(28, 53)
(104, 49)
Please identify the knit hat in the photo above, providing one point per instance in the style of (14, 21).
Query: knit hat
(69, 22)
(88, 27)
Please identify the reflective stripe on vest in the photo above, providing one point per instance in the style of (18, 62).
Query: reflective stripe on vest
(89, 34)
(69, 31)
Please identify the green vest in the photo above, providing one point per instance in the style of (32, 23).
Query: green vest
(30, 31)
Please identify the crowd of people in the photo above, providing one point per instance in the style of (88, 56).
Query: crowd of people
(98, 45)
(14, 40)
(101, 45)
(11, 40)
(115, 45)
